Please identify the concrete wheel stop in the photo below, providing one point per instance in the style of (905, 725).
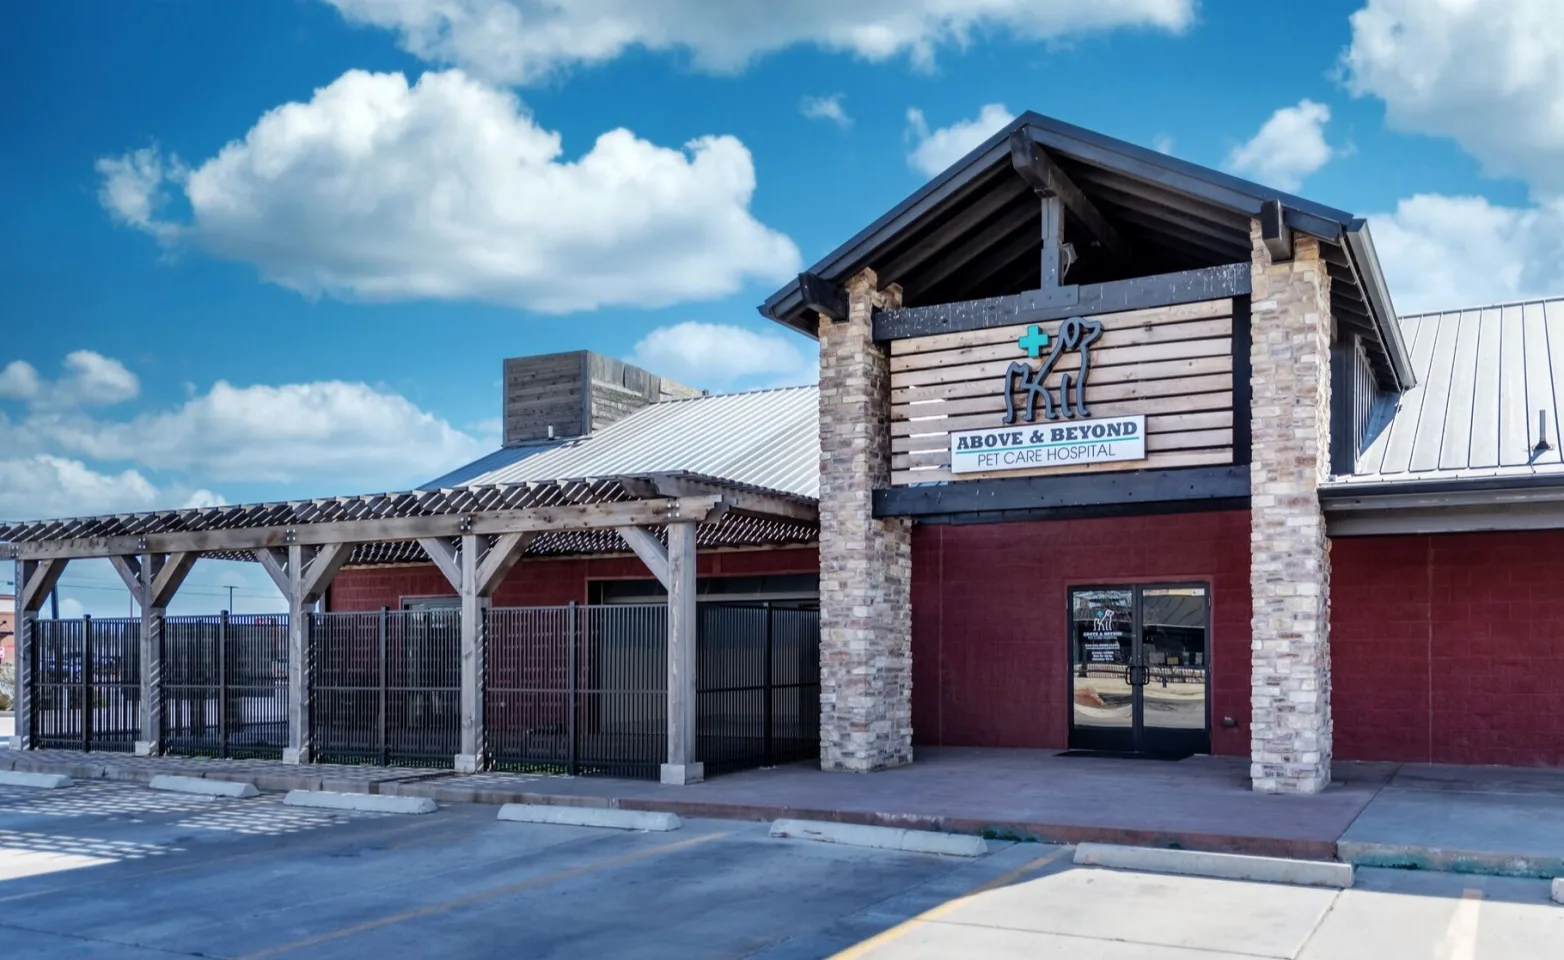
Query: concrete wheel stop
(359, 802)
(47, 781)
(606, 817)
(1220, 866)
(202, 787)
(882, 838)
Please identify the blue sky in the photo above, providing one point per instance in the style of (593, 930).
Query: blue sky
(266, 250)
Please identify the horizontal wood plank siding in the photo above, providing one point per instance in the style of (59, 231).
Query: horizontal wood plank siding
(1173, 364)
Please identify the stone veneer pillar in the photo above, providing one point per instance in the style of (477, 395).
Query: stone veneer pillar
(1289, 565)
(865, 564)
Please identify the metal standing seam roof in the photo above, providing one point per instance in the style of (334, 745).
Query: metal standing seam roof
(1484, 375)
(764, 438)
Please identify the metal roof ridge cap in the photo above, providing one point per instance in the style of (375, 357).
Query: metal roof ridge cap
(1476, 307)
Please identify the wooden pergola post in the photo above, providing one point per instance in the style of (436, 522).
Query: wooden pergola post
(683, 764)
(674, 567)
(475, 572)
(302, 575)
(34, 580)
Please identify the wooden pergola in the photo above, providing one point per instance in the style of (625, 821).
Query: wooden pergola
(474, 535)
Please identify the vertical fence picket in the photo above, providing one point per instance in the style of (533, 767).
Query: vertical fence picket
(86, 683)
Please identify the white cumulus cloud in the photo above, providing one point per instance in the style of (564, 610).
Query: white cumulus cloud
(526, 41)
(346, 433)
(934, 150)
(714, 355)
(448, 189)
(1289, 146)
(43, 486)
(1488, 74)
(89, 379)
(826, 108)
(1440, 252)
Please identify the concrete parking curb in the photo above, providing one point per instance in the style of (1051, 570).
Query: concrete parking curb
(589, 817)
(1408, 857)
(205, 788)
(882, 838)
(1222, 866)
(48, 781)
(1558, 890)
(360, 802)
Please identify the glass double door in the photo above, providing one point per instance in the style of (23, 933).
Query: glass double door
(1139, 666)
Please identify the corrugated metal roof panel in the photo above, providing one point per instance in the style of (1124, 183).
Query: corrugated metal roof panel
(1484, 376)
(764, 438)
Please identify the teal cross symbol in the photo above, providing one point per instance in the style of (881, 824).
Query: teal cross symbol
(1034, 341)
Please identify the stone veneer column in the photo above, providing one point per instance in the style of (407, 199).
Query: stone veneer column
(1289, 560)
(865, 564)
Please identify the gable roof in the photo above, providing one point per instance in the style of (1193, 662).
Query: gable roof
(763, 438)
(1484, 375)
(1174, 214)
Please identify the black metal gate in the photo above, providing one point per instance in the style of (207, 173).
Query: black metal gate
(225, 685)
(386, 687)
(757, 686)
(86, 684)
(577, 689)
(584, 689)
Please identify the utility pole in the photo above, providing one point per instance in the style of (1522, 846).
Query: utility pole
(230, 599)
(54, 603)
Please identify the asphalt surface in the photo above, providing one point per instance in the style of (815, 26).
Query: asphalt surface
(115, 870)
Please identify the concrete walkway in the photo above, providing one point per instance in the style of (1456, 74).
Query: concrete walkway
(1472, 819)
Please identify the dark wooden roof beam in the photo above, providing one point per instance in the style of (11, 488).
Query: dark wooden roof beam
(1034, 165)
(962, 254)
(952, 230)
(1274, 230)
(823, 297)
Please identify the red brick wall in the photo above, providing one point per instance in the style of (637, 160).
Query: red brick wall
(990, 655)
(1448, 648)
(549, 582)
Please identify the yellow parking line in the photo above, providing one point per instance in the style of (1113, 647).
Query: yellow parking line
(471, 898)
(928, 916)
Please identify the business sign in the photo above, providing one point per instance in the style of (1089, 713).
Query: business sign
(1026, 447)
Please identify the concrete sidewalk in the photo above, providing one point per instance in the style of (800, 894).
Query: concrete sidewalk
(1481, 820)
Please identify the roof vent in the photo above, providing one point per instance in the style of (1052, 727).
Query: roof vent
(1542, 433)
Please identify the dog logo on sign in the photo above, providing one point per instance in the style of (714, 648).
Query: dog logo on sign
(1075, 335)
(1102, 621)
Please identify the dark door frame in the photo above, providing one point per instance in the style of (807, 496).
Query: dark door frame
(1136, 740)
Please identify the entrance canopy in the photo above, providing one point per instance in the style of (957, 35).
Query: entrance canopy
(976, 232)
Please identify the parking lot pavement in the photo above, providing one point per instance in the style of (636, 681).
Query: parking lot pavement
(1069, 912)
(114, 870)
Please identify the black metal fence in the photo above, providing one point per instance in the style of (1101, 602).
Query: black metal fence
(584, 689)
(386, 687)
(225, 685)
(86, 684)
(572, 689)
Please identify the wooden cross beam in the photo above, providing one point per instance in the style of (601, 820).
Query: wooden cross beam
(489, 566)
(649, 549)
(592, 516)
(1034, 165)
(34, 581)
